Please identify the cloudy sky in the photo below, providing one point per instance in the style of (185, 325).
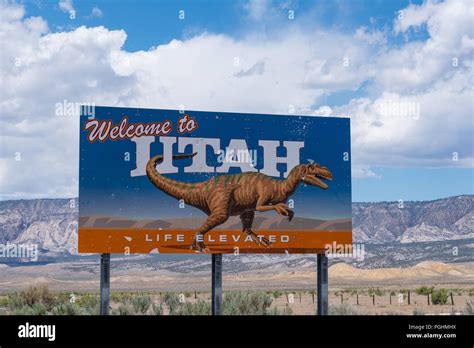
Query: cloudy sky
(403, 73)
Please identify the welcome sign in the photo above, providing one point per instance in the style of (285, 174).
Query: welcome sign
(165, 181)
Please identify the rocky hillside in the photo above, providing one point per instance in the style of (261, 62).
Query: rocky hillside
(52, 223)
(442, 219)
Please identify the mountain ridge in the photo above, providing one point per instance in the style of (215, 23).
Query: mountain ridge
(52, 223)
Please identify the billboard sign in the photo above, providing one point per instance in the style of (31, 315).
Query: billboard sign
(169, 181)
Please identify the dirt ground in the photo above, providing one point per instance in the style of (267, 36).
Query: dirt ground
(303, 302)
(458, 279)
(382, 303)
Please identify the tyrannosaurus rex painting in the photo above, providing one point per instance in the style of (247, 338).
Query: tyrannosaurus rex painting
(237, 194)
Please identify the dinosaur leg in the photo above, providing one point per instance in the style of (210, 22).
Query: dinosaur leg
(219, 204)
(215, 219)
(247, 221)
(280, 208)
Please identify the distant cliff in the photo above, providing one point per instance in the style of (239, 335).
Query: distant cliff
(52, 223)
(442, 219)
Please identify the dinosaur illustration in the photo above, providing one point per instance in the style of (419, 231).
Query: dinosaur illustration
(237, 194)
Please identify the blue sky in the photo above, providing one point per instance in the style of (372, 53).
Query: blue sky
(395, 57)
(151, 23)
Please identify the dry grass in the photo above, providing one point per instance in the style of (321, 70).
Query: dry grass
(349, 301)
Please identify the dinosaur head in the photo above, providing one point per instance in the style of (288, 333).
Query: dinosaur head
(314, 174)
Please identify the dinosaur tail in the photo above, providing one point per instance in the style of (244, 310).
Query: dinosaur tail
(159, 158)
(177, 189)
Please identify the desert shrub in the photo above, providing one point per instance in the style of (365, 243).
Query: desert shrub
(176, 307)
(35, 309)
(239, 303)
(471, 292)
(62, 297)
(31, 296)
(91, 310)
(277, 293)
(342, 309)
(157, 308)
(141, 303)
(284, 311)
(15, 301)
(67, 308)
(418, 311)
(39, 295)
(123, 309)
(375, 291)
(172, 302)
(439, 297)
(121, 297)
(273, 311)
(424, 290)
(187, 294)
(4, 301)
(287, 310)
(469, 308)
(90, 303)
(199, 308)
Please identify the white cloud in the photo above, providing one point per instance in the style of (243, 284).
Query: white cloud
(422, 129)
(256, 84)
(363, 172)
(66, 5)
(96, 12)
(40, 69)
(323, 111)
(257, 9)
(371, 37)
(417, 65)
(256, 69)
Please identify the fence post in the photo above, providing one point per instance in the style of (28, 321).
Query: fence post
(104, 284)
(322, 284)
(216, 284)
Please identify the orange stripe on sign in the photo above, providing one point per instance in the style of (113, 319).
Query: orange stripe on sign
(146, 240)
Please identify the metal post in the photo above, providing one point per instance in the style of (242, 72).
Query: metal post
(322, 287)
(216, 284)
(104, 284)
